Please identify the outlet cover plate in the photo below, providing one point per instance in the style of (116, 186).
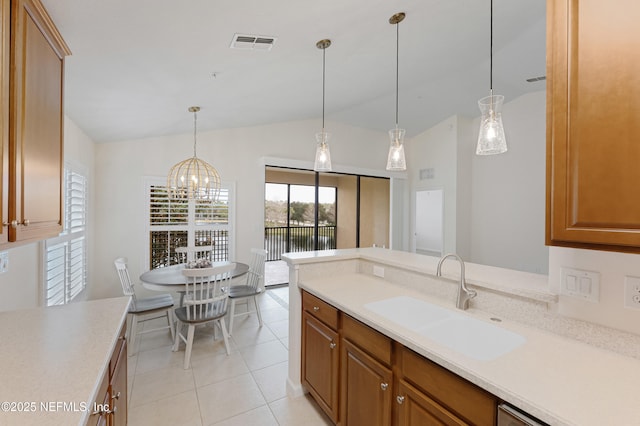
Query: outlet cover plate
(632, 292)
(4, 262)
(580, 284)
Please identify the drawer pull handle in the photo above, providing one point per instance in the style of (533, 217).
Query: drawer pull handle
(116, 396)
(400, 399)
(332, 345)
(384, 386)
(316, 308)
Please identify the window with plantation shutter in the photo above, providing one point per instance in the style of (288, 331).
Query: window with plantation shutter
(176, 223)
(66, 255)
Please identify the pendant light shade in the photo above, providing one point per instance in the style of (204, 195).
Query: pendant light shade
(395, 159)
(323, 154)
(194, 178)
(491, 139)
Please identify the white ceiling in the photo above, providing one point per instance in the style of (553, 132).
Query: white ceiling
(137, 65)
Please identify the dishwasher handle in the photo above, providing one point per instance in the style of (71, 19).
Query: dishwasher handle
(509, 416)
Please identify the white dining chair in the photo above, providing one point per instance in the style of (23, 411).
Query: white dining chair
(189, 254)
(250, 289)
(143, 307)
(205, 301)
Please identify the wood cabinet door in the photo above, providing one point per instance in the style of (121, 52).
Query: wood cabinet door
(320, 368)
(366, 392)
(36, 117)
(5, 58)
(119, 389)
(414, 408)
(593, 125)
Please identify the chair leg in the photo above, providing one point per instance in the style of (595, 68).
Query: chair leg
(187, 353)
(232, 313)
(176, 342)
(255, 301)
(132, 334)
(171, 323)
(225, 335)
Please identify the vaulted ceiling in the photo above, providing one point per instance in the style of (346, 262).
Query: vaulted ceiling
(137, 65)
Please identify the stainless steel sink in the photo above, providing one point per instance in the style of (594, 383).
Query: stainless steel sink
(469, 336)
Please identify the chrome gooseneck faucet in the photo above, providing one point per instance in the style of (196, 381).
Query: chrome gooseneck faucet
(464, 294)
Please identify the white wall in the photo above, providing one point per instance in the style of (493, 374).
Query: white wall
(494, 205)
(238, 154)
(508, 191)
(20, 286)
(436, 148)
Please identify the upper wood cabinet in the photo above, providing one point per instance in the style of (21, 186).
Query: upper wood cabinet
(35, 118)
(5, 58)
(593, 124)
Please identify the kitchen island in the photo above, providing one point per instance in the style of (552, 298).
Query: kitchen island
(53, 360)
(562, 374)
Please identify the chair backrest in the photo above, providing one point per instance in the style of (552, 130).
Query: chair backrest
(255, 275)
(189, 254)
(204, 295)
(125, 279)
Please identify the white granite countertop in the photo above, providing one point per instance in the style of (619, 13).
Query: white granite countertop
(52, 360)
(557, 379)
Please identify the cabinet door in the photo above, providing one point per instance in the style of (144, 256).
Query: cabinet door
(416, 409)
(36, 116)
(119, 389)
(366, 393)
(320, 369)
(5, 58)
(593, 105)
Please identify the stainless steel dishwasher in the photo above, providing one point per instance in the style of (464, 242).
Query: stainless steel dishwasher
(509, 416)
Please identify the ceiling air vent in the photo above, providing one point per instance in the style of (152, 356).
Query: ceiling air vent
(534, 79)
(252, 42)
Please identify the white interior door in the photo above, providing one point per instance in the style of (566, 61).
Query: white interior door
(429, 222)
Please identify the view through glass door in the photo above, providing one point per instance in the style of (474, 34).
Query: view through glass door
(351, 211)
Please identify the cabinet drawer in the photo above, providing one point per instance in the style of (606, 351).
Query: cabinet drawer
(458, 395)
(366, 338)
(320, 309)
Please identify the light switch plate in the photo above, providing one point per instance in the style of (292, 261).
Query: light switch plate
(580, 284)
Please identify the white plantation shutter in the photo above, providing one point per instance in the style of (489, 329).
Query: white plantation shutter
(66, 254)
(186, 223)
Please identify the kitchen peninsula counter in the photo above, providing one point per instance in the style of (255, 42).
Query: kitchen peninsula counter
(556, 378)
(53, 359)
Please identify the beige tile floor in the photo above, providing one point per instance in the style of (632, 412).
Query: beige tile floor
(246, 388)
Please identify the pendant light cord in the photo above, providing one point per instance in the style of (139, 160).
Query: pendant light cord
(491, 52)
(195, 120)
(397, 67)
(324, 52)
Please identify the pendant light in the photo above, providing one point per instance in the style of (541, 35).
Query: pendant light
(194, 178)
(323, 155)
(491, 139)
(395, 159)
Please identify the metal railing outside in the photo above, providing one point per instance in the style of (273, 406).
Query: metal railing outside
(283, 239)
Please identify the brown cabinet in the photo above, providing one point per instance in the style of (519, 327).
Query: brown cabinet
(320, 353)
(427, 390)
(110, 406)
(32, 122)
(381, 381)
(366, 377)
(593, 105)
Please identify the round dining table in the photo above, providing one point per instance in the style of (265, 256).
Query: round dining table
(170, 278)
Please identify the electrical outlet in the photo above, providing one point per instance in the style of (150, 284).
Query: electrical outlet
(632, 292)
(378, 271)
(4, 262)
